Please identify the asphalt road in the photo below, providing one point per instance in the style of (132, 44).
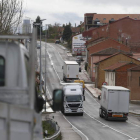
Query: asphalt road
(90, 124)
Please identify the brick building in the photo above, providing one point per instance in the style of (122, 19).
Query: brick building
(125, 30)
(111, 60)
(100, 49)
(96, 20)
(97, 56)
(134, 82)
(116, 75)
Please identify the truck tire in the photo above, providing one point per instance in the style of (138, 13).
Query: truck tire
(106, 116)
(81, 114)
(101, 113)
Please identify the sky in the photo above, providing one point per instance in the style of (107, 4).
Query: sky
(65, 11)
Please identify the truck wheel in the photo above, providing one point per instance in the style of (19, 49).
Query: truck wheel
(101, 113)
(81, 114)
(106, 116)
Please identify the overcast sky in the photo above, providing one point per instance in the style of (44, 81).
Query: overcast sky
(65, 11)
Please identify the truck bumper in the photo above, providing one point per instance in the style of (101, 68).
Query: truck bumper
(69, 111)
(117, 118)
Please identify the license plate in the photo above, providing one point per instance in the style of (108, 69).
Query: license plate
(117, 115)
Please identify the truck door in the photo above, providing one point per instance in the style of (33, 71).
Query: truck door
(113, 101)
(123, 105)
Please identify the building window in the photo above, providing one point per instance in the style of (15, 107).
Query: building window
(112, 18)
(2, 71)
(104, 19)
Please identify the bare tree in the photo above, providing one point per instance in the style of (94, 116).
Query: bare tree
(10, 15)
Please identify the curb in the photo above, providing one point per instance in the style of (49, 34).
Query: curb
(134, 113)
(90, 93)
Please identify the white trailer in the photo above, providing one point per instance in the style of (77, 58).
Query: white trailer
(114, 102)
(73, 99)
(70, 70)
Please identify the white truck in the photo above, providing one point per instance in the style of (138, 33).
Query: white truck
(70, 71)
(114, 102)
(20, 107)
(73, 99)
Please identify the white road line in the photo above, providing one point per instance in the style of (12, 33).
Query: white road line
(57, 52)
(76, 128)
(53, 66)
(104, 125)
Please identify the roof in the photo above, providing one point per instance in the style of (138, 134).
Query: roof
(114, 55)
(115, 88)
(105, 18)
(75, 29)
(115, 66)
(109, 51)
(71, 62)
(137, 68)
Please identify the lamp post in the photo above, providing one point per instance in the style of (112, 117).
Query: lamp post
(40, 55)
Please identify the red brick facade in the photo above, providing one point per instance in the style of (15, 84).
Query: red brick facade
(121, 75)
(125, 30)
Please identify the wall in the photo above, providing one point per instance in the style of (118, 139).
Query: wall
(93, 60)
(133, 84)
(108, 62)
(121, 75)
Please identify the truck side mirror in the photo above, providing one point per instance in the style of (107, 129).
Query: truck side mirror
(57, 100)
(99, 97)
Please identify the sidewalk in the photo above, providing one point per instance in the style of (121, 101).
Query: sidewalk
(66, 129)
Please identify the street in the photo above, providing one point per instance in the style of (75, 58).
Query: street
(90, 125)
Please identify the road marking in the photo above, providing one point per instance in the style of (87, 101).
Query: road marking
(104, 125)
(57, 52)
(54, 67)
(75, 127)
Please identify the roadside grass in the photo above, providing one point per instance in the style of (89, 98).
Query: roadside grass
(48, 127)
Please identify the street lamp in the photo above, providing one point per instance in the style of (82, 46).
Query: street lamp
(40, 55)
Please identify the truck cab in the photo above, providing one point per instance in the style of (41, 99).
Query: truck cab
(73, 99)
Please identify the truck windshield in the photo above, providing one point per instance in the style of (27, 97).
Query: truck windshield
(74, 98)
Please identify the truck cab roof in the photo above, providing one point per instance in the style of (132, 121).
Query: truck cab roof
(73, 89)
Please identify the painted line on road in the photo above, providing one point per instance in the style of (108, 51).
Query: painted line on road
(104, 125)
(57, 52)
(75, 128)
(54, 67)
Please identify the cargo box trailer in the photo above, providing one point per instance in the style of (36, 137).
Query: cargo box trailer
(114, 102)
(70, 71)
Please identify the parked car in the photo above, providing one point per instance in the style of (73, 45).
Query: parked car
(80, 58)
(57, 41)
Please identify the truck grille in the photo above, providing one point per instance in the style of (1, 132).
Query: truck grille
(73, 105)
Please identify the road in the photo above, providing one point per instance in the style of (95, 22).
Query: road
(90, 124)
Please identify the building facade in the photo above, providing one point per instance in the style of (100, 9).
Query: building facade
(111, 60)
(26, 27)
(134, 83)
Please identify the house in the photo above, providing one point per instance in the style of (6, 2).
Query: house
(102, 48)
(97, 56)
(97, 20)
(125, 30)
(116, 75)
(111, 60)
(134, 82)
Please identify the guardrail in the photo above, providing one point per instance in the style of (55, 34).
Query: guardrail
(57, 130)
